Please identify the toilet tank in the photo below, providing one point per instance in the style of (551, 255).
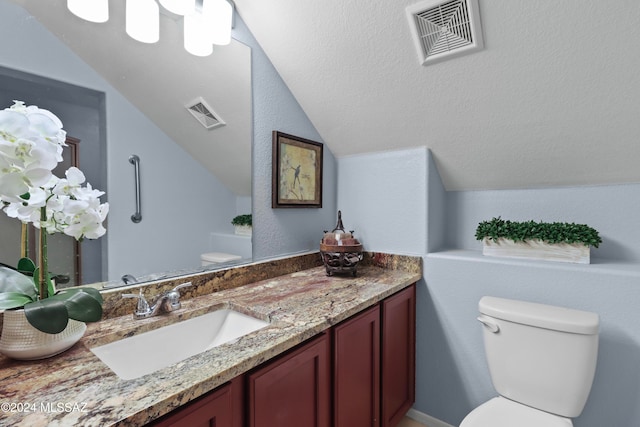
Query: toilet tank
(540, 355)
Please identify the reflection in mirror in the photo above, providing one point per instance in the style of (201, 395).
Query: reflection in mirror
(118, 97)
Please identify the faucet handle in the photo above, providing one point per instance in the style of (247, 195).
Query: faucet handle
(173, 296)
(182, 285)
(143, 305)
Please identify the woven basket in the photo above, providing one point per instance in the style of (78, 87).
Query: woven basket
(22, 341)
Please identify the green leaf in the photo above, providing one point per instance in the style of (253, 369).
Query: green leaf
(13, 281)
(26, 265)
(13, 300)
(93, 292)
(83, 304)
(47, 315)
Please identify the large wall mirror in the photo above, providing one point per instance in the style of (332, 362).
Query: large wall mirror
(117, 97)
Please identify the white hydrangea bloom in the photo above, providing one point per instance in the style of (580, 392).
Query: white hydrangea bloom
(31, 144)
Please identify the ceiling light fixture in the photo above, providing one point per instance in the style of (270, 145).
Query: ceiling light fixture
(218, 14)
(90, 10)
(142, 20)
(206, 22)
(196, 40)
(208, 25)
(179, 7)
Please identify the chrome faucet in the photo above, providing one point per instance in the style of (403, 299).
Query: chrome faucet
(128, 279)
(164, 303)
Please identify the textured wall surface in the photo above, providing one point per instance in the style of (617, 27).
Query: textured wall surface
(382, 197)
(281, 231)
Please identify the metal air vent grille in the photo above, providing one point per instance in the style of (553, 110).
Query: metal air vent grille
(442, 29)
(204, 114)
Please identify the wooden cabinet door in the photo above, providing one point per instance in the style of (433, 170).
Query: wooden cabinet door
(293, 390)
(356, 375)
(219, 408)
(398, 355)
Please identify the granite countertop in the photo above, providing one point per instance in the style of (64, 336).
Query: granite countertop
(75, 388)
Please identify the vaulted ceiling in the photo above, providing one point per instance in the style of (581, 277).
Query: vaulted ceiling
(553, 99)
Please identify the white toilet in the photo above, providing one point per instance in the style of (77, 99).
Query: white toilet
(542, 360)
(212, 258)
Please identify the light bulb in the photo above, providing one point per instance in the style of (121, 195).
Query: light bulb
(142, 20)
(196, 35)
(218, 14)
(179, 7)
(90, 10)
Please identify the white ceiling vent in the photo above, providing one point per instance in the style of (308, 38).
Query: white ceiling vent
(204, 114)
(443, 29)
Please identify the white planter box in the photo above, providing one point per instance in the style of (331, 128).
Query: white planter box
(243, 230)
(537, 249)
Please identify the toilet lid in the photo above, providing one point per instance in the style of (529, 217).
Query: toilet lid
(502, 412)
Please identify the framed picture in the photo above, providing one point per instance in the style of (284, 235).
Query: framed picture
(297, 172)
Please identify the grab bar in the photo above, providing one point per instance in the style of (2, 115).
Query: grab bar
(135, 161)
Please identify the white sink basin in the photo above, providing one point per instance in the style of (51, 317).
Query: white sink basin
(148, 352)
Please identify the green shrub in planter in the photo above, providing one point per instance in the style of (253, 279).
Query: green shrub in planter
(556, 232)
(245, 220)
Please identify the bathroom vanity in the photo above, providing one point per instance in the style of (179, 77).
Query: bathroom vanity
(329, 340)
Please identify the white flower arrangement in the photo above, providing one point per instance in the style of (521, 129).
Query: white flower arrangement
(31, 145)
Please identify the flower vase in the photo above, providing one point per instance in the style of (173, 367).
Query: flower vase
(22, 341)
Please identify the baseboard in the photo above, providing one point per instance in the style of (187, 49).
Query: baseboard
(425, 419)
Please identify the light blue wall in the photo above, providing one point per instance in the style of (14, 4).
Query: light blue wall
(452, 377)
(612, 210)
(457, 276)
(281, 231)
(383, 198)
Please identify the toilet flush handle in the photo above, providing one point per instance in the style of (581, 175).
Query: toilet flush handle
(489, 323)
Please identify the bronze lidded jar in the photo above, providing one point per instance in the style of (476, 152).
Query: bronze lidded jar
(341, 252)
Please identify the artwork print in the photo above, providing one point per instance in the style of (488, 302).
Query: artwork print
(297, 172)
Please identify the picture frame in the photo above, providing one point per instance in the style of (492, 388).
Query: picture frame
(297, 172)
